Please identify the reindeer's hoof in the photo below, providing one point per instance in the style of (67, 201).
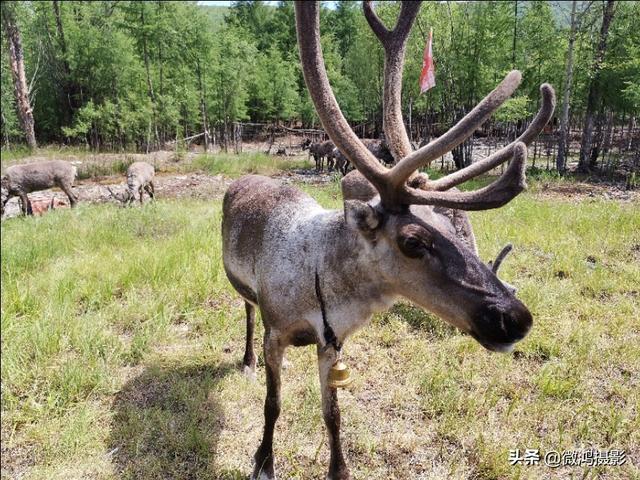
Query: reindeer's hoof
(249, 366)
(342, 475)
(249, 372)
(263, 468)
(261, 476)
(338, 471)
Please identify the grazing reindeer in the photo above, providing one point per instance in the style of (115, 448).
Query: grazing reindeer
(139, 180)
(318, 275)
(19, 180)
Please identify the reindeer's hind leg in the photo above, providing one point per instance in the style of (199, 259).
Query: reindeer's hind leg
(250, 358)
(150, 189)
(331, 412)
(73, 200)
(330, 163)
(264, 463)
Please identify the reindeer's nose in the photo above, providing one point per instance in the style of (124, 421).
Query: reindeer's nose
(498, 328)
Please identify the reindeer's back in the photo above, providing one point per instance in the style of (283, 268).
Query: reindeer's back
(251, 207)
(140, 172)
(31, 177)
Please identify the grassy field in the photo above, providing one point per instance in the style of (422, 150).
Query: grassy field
(122, 339)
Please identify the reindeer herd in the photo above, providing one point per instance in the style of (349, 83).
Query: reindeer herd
(318, 275)
(336, 160)
(20, 180)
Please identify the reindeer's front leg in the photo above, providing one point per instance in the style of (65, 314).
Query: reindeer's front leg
(331, 412)
(25, 203)
(273, 351)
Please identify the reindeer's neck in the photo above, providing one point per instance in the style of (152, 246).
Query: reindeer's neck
(351, 283)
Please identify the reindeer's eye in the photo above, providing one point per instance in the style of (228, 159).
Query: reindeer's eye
(413, 247)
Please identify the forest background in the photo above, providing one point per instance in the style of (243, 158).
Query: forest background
(118, 76)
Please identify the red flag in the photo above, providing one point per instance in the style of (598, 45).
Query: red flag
(428, 75)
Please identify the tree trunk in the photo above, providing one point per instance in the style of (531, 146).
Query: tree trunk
(152, 95)
(16, 61)
(203, 107)
(595, 90)
(515, 34)
(61, 39)
(561, 160)
(70, 90)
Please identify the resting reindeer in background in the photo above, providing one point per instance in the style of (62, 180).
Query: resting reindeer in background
(318, 275)
(139, 180)
(19, 180)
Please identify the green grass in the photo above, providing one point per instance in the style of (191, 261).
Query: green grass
(10, 156)
(95, 165)
(121, 343)
(236, 165)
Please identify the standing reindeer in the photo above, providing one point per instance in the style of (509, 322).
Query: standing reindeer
(320, 151)
(318, 275)
(19, 180)
(378, 148)
(139, 180)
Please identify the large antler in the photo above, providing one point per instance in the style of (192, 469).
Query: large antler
(434, 149)
(315, 76)
(391, 184)
(394, 43)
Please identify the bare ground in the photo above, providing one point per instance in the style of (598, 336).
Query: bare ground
(170, 183)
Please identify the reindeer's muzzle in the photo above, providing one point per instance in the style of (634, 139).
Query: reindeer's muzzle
(499, 328)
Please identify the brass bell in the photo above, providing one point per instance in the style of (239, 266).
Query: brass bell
(339, 376)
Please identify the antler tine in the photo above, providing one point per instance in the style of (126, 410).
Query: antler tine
(457, 134)
(315, 75)
(495, 265)
(394, 43)
(544, 115)
(494, 195)
(374, 21)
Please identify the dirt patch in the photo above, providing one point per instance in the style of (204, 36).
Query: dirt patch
(307, 176)
(580, 190)
(193, 185)
(157, 159)
(17, 457)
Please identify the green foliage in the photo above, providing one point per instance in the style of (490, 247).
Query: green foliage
(120, 75)
(272, 94)
(513, 110)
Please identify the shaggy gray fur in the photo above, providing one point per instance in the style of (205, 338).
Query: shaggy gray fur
(19, 180)
(139, 180)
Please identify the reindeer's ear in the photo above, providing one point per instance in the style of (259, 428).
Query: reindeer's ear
(361, 216)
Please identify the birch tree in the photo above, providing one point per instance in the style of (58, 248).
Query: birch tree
(16, 62)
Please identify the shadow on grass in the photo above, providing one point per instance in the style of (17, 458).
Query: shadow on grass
(167, 422)
(422, 321)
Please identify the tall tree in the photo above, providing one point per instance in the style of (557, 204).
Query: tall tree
(595, 91)
(561, 160)
(16, 61)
